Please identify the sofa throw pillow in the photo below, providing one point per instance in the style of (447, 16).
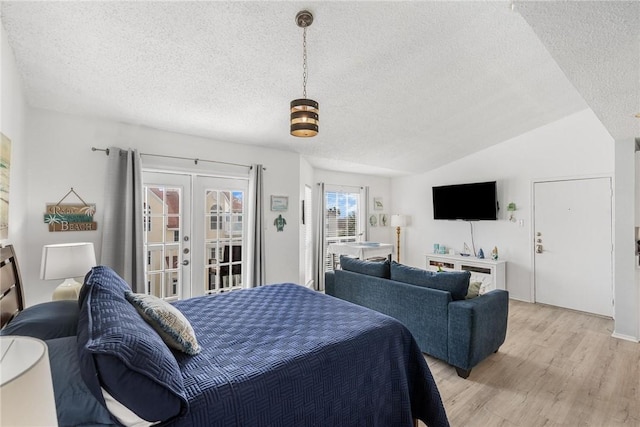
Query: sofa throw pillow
(474, 290)
(174, 329)
(454, 282)
(370, 268)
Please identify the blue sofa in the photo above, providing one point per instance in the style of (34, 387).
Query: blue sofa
(432, 305)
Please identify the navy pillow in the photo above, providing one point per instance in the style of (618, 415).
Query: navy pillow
(370, 268)
(75, 405)
(455, 282)
(118, 349)
(53, 319)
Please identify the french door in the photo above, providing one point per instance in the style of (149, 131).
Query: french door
(195, 234)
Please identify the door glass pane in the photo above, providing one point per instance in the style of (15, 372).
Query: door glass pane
(163, 244)
(171, 284)
(154, 258)
(223, 225)
(155, 284)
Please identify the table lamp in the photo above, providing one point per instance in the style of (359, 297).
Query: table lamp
(26, 387)
(398, 221)
(67, 261)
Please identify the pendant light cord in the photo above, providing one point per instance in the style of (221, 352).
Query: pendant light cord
(304, 63)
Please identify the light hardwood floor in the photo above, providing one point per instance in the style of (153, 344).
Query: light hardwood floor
(556, 368)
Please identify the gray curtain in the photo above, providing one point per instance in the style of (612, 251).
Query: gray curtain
(122, 234)
(255, 239)
(364, 213)
(319, 239)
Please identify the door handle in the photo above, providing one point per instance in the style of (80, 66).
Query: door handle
(538, 249)
(185, 262)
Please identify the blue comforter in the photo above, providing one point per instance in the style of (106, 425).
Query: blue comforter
(283, 355)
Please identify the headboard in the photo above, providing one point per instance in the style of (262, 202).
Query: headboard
(11, 295)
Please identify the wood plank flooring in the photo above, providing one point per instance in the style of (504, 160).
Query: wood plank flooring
(557, 367)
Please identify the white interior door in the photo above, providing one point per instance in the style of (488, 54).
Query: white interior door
(573, 245)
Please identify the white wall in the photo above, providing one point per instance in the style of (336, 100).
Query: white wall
(12, 124)
(60, 157)
(575, 146)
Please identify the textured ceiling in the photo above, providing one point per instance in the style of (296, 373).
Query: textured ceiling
(403, 86)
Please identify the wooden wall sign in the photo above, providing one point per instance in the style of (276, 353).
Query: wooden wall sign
(70, 216)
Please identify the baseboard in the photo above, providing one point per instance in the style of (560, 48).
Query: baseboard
(521, 300)
(624, 337)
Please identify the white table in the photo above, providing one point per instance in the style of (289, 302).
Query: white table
(362, 250)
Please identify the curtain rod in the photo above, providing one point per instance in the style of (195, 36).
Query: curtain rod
(342, 185)
(195, 160)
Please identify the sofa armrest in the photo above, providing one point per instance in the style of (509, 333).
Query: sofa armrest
(330, 282)
(477, 328)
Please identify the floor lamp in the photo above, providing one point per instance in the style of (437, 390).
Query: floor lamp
(398, 221)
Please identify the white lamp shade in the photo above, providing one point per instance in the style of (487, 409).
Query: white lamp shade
(67, 260)
(26, 388)
(398, 220)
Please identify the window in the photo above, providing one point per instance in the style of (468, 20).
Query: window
(147, 216)
(342, 218)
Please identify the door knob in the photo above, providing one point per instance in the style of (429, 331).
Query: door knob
(185, 262)
(538, 249)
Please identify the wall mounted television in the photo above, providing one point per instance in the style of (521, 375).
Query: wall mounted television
(468, 202)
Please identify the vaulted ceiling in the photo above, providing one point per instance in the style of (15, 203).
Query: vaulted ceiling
(403, 87)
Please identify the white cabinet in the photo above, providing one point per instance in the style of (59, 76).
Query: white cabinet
(491, 273)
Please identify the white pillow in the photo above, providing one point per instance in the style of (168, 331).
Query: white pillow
(174, 329)
(123, 414)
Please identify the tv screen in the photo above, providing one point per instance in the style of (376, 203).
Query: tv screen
(469, 202)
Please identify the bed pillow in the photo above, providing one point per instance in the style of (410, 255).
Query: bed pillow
(370, 268)
(75, 405)
(120, 353)
(53, 319)
(174, 329)
(454, 282)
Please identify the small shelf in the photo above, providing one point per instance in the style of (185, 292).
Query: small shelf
(475, 269)
(442, 264)
(491, 273)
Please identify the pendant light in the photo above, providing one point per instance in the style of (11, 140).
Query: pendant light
(304, 112)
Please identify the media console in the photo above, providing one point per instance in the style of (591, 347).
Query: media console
(492, 273)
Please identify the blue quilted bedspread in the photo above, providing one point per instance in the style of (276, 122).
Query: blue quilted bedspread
(283, 355)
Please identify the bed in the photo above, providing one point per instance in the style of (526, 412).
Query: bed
(279, 355)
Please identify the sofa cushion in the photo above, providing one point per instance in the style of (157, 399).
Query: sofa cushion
(370, 268)
(454, 282)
